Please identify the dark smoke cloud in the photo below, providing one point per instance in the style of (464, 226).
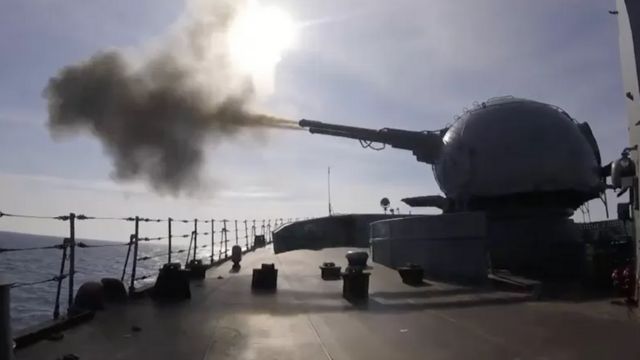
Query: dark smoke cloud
(155, 117)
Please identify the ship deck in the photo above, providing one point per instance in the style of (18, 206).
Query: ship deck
(308, 319)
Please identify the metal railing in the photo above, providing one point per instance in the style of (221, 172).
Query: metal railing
(69, 246)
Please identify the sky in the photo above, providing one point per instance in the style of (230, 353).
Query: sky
(410, 64)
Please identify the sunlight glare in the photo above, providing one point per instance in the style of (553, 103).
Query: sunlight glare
(257, 39)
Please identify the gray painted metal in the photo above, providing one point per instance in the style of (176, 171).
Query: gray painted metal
(450, 246)
(331, 231)
(510, 146)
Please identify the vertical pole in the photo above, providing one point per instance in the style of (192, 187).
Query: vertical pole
(246, 234)
(236, 229)
(253, 232)
(126, 259)
(221, 241)
(226, 241)
(186, 261)
(6, 339)
(253, 228)
(269, 231)
(263, 227)
(132, 287)
(195, 238)
(169, 237)
(212, 239)
(56, 307)
(72, 256)
(329, 187)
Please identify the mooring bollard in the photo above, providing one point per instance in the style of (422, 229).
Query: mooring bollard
(329, 271)
(236, 255)
(6, 340)
(355, 285)
(172, 283)
(265, 278)
(411, 274)
(259, 241)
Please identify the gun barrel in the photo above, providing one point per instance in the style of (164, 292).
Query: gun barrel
(315, 127)
(425, 145)
(305, 123)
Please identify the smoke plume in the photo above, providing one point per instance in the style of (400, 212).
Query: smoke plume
(154, 113)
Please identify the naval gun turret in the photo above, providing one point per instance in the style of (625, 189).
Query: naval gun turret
(512, 172)
(502, 154)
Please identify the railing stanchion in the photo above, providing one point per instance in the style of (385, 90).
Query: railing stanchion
(72, 257)
(6, 339)
(186, 261)
(226, 240)
(246, 234)
(269, 231)
(195, 238)
(236, 229)
(126, 259)
(132, 284)
(263, 227)
(221, 241)
(253, 232)
(56, 307)
(212, 239)
(169, 238)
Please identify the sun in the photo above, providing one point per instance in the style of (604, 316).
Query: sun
(258, 37)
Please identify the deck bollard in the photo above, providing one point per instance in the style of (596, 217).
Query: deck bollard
(355, 282)
(6, 340)
(259, 241)
(357, 259)
(197, 270)
(172, 283)
(329, 271)
(265, 278)
(236, 255)
(411, 274)
(355, 285)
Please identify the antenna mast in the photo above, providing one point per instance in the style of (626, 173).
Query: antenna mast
(329, 188)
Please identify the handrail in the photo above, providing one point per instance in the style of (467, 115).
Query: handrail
(30, 283)
(252, 228)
